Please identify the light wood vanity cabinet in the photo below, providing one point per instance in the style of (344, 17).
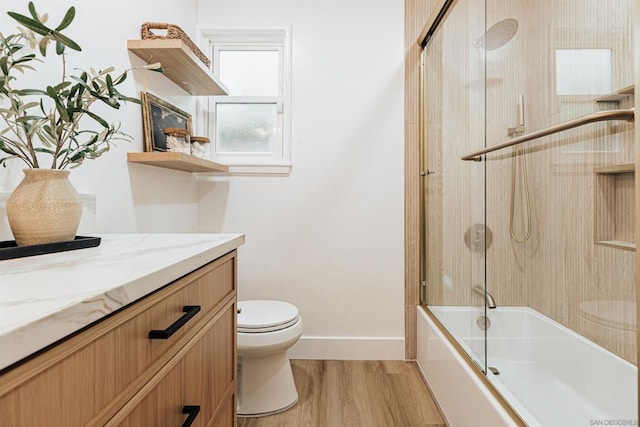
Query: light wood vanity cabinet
(111, 373)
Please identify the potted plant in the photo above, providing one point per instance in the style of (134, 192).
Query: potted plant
(52, 128)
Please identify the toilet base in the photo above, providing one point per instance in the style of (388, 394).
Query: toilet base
(265, 385)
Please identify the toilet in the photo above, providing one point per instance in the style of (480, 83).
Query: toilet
(266, 330)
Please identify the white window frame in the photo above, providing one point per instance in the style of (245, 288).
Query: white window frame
(251, 39)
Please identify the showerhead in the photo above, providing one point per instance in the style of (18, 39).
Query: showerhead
(498, 35)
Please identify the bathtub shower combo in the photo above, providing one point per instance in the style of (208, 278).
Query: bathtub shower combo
(528, 311)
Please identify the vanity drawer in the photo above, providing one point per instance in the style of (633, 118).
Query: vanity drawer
(87, 378)
(201, 375)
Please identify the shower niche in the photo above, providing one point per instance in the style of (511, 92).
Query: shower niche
(615, 206)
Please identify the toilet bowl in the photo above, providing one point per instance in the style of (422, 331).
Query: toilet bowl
(266, 330)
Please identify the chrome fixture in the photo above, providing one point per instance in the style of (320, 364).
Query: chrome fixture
(488, 298)
(483, 322)
(498, 35)
(478, 237)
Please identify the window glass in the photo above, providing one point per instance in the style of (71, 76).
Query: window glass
(583, 71)
(248, 128)
(250, 72)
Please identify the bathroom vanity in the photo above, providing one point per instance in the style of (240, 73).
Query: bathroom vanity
(139, 331)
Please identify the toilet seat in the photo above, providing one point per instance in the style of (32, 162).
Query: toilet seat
(261, 316)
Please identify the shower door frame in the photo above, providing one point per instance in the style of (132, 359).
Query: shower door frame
(437, 17)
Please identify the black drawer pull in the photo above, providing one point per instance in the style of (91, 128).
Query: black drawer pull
(193, 411)
(189, 312)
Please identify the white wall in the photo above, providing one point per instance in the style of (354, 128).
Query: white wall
(129, 197)
(328, 237)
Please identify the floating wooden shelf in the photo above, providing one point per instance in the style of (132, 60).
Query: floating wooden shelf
(617, 95)
(180, 65)
(177, 161)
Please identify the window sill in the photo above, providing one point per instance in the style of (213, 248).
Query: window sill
(275, 169)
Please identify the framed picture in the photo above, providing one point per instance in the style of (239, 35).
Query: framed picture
(158, 115)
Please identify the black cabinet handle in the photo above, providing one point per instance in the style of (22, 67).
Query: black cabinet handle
(193, 411)
(189, 312)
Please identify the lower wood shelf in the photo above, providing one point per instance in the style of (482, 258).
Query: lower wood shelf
(177, 161)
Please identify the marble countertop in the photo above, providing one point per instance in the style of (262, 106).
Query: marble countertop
(47, 297)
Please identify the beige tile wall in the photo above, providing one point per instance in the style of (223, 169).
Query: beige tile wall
(559, 271)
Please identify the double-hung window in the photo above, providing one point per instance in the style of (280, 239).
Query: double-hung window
(250, 127)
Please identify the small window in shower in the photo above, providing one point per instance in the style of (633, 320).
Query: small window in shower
(583, 71)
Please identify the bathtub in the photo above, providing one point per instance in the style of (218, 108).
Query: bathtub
(550, 375)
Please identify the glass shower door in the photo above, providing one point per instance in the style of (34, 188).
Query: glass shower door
(561, 268)
(454, 122)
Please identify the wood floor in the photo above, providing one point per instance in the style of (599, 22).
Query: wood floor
(336, 393)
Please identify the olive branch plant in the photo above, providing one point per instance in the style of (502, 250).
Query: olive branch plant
(39, 123)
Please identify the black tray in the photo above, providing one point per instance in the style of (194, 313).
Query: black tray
(9, 249)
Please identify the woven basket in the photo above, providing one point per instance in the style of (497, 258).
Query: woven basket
(173, 32)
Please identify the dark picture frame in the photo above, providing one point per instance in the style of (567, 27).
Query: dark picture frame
(158, 115)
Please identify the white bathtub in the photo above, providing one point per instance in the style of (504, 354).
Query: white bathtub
(549, 374)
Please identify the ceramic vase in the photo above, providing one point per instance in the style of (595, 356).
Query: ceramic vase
(44, 208)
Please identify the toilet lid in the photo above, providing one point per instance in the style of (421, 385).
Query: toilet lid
(265, 315)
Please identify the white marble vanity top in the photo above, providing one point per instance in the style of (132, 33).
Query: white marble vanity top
(47, 297)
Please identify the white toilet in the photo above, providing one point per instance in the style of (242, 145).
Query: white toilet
(266, 330)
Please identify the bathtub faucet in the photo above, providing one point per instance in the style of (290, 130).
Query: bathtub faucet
(488, 298)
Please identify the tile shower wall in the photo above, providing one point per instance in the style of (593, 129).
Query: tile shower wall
(560, 271)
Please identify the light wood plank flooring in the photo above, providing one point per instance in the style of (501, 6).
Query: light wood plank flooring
(336, 393)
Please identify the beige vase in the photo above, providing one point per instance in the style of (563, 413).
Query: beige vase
(44, 208)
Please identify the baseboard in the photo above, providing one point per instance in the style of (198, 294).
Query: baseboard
(348, 348)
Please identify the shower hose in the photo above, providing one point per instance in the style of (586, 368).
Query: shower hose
(519, 156)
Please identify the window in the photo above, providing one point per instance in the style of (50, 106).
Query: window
(250, 128)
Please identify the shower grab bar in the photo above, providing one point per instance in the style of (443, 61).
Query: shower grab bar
(601, 116)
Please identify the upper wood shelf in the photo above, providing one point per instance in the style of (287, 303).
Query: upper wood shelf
(177, 161)
(180, 65)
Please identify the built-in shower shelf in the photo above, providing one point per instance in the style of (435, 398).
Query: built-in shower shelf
(619, 244)
(614, 206)
(618, 95)
(618, 168)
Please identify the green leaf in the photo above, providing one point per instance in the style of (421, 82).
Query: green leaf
(59, 48)
(33, 25)
(4, 66)
(61, 86)
(130, 99)
(25, 92)
(68, 18)
(52, 92)
(24, 119)
(120, 79)
(25, 58)
(64, 115)
(81, 82)
(44, 150)
(30, 105)
(32, 10)
(96, 118)
(65, 41)
(109, 84)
